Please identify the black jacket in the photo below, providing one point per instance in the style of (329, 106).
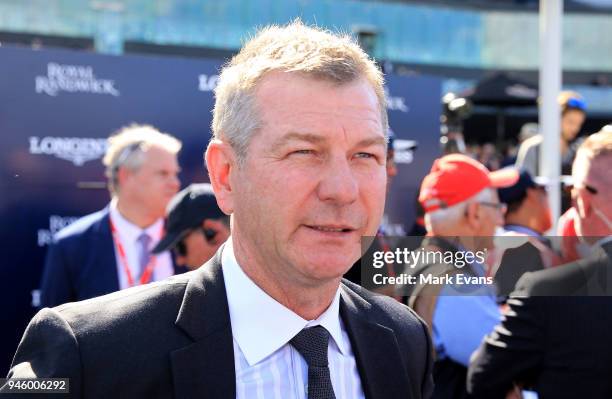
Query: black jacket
(80, 263)
(555, 336)
(173, 339)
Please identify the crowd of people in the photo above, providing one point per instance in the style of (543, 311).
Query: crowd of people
(299, 164)
(524, 153)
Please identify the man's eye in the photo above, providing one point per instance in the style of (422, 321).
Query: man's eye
(365, 155)
(302, 152)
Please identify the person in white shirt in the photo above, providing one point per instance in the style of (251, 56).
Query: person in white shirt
(298, 159)
(111, 249)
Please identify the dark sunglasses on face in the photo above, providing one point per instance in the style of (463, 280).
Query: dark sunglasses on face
(590, 189)
(181, 249)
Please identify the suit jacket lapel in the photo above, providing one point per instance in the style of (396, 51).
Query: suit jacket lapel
(381, 369)
(106, 262)
(205, 368)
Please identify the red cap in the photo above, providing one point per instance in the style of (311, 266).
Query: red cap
(456, 177)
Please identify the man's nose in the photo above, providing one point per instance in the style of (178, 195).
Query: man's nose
(338, 182)
(175, 182)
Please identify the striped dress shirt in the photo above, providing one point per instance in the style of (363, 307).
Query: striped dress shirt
(266, 365)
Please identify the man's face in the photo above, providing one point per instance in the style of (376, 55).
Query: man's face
(490, 217)
(154, 183)
(314, 179)
(391, 167)
(571, 123)
(196, 248)
(593, 197)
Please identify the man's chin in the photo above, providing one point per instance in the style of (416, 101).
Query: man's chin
(327, 267)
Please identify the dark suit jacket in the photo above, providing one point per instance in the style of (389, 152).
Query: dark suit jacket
(81, 263)
(559, 343)
(173, 339)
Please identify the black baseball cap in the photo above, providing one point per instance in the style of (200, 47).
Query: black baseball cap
(517, 191)
(186, 211)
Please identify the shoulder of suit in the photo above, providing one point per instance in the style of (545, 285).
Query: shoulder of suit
(386, 310)
(81, 225)
(553, 279)
(129, 306)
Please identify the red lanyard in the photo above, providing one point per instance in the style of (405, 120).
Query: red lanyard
(145, 277)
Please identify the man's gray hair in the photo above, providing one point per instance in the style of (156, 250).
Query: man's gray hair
(127, 146)
(309, 51)
(596, 147)
(454, 214)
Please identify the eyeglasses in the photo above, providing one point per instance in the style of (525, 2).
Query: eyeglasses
(127, 153)
(123, 156)
(589, 188)
(181, 249)
(498, 206)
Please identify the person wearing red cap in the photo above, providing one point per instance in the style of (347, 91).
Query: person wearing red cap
(462, 212)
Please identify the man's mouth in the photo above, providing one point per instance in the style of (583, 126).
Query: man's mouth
(331, 229)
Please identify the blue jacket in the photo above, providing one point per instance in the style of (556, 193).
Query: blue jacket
(81, 263)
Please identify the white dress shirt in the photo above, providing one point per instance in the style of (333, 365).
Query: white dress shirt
(128, 233)
(267, 366)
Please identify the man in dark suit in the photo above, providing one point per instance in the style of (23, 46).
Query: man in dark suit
(110, 249)
(554, 336)
(298, 160)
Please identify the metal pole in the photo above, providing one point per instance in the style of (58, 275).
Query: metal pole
(551, 12)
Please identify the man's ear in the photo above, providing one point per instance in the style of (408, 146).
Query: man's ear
(221, 163)
(472, 216)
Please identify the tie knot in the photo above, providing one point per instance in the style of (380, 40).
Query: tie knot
(312, 344)
(144, 239)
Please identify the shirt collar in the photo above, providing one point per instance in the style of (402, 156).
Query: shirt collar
(602, 241)
(522, 229)
(254, 314)
(129, 231)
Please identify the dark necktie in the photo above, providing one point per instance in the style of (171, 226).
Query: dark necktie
(312, 345)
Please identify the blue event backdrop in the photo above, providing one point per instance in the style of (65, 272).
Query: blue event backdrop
(56, 109)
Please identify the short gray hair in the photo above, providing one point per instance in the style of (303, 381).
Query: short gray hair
(453, 214)
(127, 146)
(295, 47)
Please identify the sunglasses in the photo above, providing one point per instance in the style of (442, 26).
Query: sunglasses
(181, 249)
(498, 206)
(590, 189)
